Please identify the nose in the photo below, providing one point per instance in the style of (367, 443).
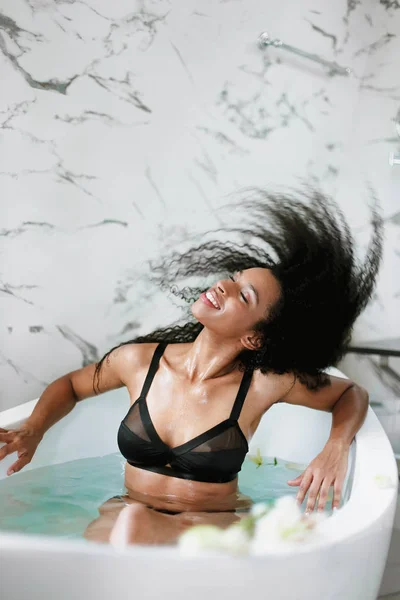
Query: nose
(222, 286)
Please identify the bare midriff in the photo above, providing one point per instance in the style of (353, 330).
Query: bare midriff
(171, 493)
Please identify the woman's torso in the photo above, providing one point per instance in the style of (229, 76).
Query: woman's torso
(180, 411)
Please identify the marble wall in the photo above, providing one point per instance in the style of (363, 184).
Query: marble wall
(123, 127)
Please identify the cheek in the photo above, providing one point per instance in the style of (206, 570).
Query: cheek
(238, 309)
(237, 317)
(240, 316)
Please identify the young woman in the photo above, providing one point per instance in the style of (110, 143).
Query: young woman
(262, 333)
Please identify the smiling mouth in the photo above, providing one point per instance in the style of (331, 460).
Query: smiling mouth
(212, 297)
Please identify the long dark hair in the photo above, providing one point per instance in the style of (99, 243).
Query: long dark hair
(323, 287)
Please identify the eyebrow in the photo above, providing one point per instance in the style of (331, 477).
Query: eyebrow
(251, 287)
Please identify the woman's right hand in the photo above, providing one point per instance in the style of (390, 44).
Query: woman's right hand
(24, 440)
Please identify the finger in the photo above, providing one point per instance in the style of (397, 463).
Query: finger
(7, 449)
(323, 494)
(296, 481)
(19, 464)
(313, 493)
(305, 484)
(6, 436)
(337, 492)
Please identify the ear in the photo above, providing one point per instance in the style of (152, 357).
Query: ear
(251, 341)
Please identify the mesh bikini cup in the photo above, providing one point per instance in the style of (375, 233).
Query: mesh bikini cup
(215, 456)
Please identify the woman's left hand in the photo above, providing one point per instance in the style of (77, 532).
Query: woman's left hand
(328, 468)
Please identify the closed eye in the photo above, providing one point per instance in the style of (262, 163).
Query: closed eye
(241, 293)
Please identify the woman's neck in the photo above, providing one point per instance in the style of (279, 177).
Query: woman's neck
(210, 356)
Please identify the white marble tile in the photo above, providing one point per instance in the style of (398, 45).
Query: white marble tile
(124, 125)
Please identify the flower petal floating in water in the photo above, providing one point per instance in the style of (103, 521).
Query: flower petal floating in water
(295, 466)
(259, 509)
(200, 538)
(264, 530)
(285, 523)
(257, 459)
(209, 538)
(384, 481)
(236, 539)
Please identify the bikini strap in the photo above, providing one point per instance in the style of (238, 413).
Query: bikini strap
(241, 395)
(153, 368)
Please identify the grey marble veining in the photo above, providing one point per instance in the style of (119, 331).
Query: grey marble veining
(390, 4)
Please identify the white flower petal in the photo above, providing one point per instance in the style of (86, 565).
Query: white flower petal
(384, 481)
(275, 529)
(235, 540)
(200, 538)
(259, 510)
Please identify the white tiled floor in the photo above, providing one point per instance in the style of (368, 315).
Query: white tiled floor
(390, 588)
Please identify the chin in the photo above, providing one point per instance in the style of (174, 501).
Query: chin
(196, 311)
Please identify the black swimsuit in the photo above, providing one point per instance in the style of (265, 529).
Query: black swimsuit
(215, 456)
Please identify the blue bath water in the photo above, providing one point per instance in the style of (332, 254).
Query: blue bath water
(61, 500)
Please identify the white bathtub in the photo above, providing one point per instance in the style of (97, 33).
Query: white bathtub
(347, 564)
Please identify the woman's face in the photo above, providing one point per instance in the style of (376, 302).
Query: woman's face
(233, 306)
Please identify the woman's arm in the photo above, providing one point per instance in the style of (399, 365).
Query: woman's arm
(348, 403)
(60, 397)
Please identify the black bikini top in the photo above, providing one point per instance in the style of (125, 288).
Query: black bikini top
(215, 456)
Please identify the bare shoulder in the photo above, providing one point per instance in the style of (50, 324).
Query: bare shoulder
(137, 356)
(269, 388)
(133, 356)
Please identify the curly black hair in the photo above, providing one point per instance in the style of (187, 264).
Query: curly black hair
(323, 287)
